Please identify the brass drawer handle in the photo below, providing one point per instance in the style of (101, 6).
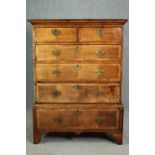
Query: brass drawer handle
(99, 53)
(78, 87)
(56, 72)
(99, 72)
(56, 32)
(77, 49)
(77, 66)
(100, 32)
(99, 120)
(56, 53)
(77, 113)
(56, 93)
(98, 93)
(57, 120)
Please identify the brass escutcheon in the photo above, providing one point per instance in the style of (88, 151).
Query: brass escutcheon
(56, 93)
(56, 32)
(77, 49)
(99, 53)
(55, 52)
(99, 72)
(77, 66)
(99, 120)
(77, 112)
(57, 120)
(56, 72)
(78, 87)
(100, 32)
(98, 93)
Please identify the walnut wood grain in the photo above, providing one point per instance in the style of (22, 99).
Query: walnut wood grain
(113, 114)
(45, 35)
(78, 76)
(78, 72)
(81, 93)
(78, 52)
(71, 119)
(108, 35)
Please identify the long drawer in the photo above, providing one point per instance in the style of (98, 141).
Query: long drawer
(78, 52)
(81, 93)
(77, 72)
(80, 118)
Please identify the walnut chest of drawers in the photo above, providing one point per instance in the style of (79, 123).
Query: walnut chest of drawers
(77, 76)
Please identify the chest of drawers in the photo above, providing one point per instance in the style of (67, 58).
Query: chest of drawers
(77, 76)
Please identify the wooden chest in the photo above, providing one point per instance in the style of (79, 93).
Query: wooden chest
(77, 76)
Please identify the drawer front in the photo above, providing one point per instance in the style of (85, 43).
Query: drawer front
(81, 93)
(55, 34)
(78, 52)
(77, 72)
(77, 119)
(107, 35)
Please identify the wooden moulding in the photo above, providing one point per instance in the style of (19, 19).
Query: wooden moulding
(77, 22)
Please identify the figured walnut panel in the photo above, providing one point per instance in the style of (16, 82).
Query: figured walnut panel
(77, 119)
(46, 35)
(99, 72)
(45, 72)
(78, 52)
(78, 72)
(81, 93)
(108, 35)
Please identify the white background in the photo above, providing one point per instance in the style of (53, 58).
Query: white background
(13, 77)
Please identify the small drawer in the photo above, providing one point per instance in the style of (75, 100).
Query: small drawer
(55, 34)
(81, 93)
(49, 118)
(77, 72)
(78, 52)
(107, 35)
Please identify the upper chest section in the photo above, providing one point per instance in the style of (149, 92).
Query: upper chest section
(78, 31)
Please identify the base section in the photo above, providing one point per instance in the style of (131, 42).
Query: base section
(78, 119)
(116, 137)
